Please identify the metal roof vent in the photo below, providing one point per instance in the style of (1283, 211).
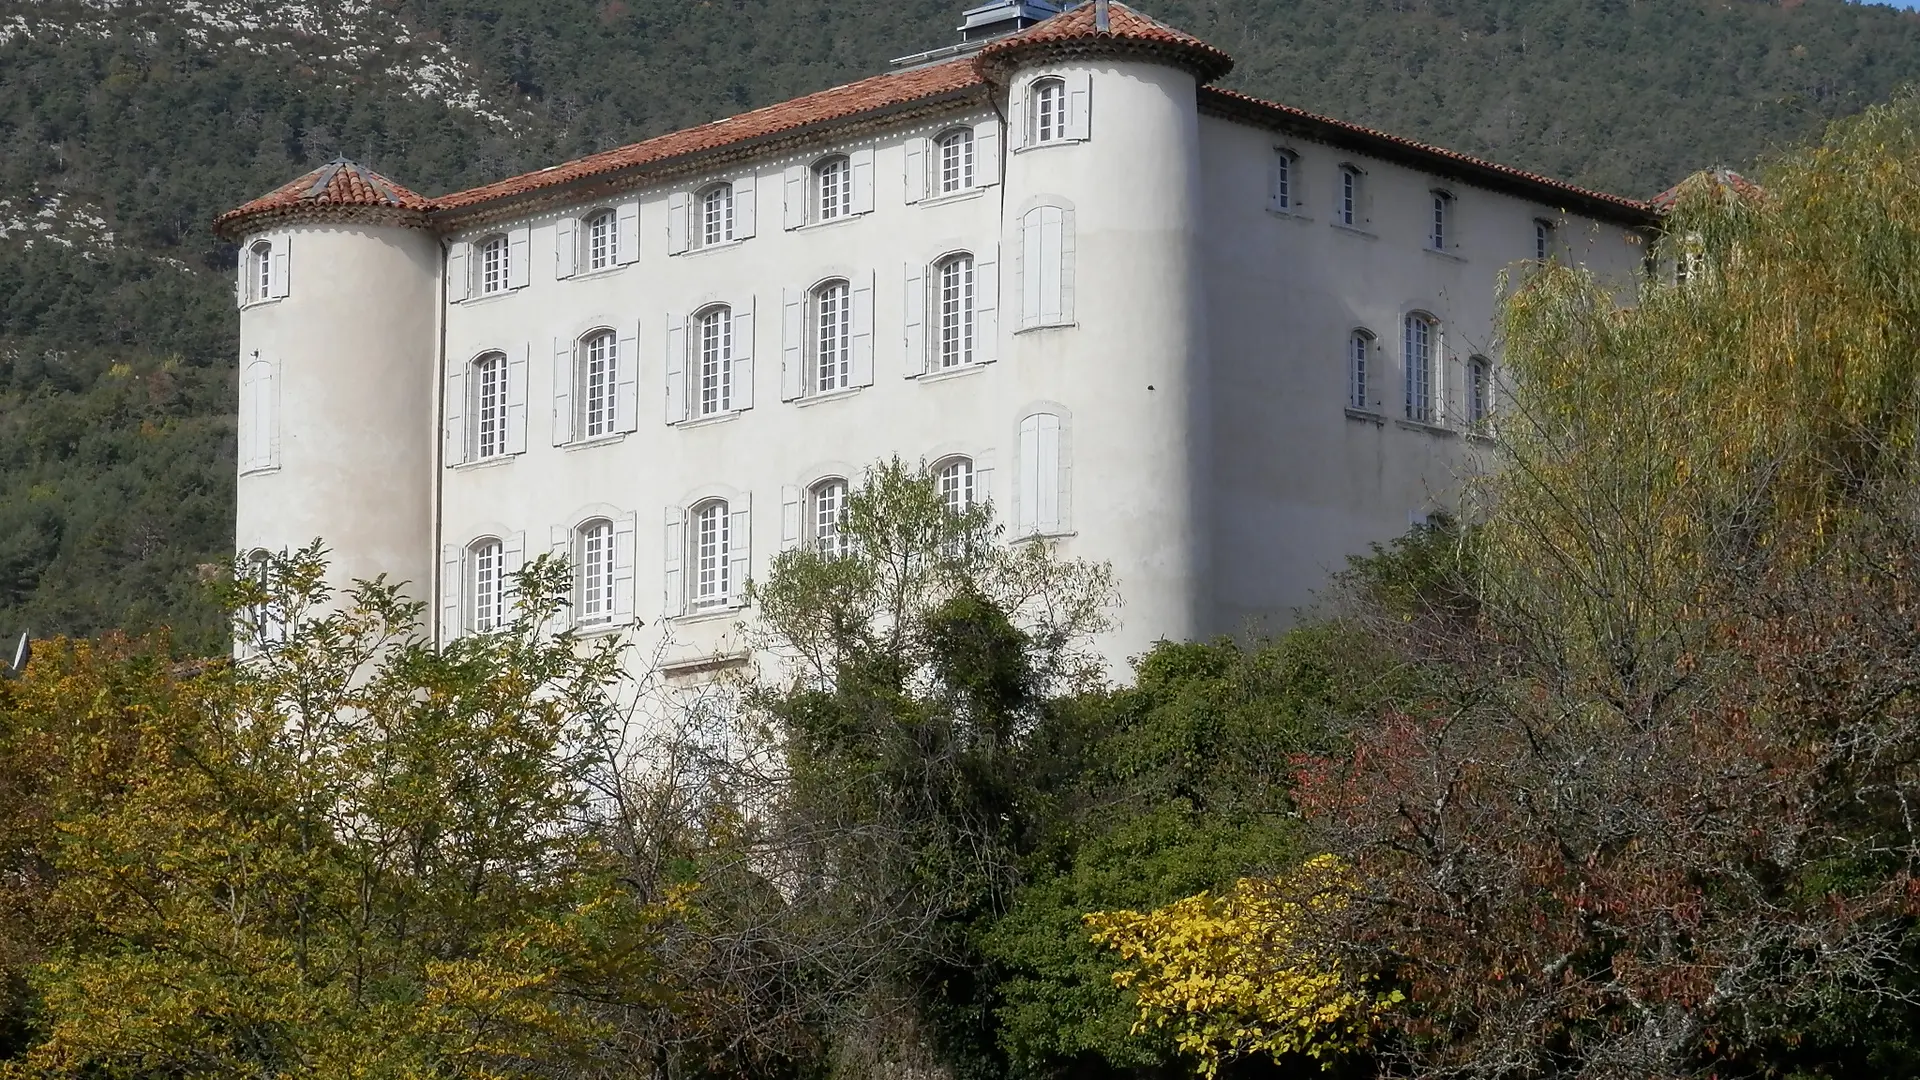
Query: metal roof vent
(1003, 17)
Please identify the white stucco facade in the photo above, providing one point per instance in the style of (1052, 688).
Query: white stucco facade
(1148, 360)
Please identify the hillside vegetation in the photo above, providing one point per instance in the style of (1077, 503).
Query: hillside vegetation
(126, 125)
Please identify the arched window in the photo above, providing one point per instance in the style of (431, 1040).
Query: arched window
(593, 572)
(1441, 233)
(711, 551)
(487, 407)
(1047, 102)
(1347, 212)
(832, 337)
(1282, 195)
(265, 622)
(493, 265)
(600, 240)
(593, 374)
(1542, 239)
(826, 510)
(1479, 390)
(486, 585)
(715, 394)
(832, 188)
(260, 271)
(954, 275)
(1359, 370)
(956, 160)
(954, 478)
(716, 215)
(1421, 354)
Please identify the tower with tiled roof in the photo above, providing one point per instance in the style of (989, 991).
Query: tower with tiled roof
(339, 294)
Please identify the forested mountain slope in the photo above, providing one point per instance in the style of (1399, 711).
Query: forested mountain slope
(125, 125)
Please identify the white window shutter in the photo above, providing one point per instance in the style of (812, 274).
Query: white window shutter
(1273, 180)
(517, 398)
(282, 253)
(1047, 475)
(560, 546)
(862, 180)
(1063, 476)
(679, 207)
(623, 535)
(986, 309)
(739, 547)
(915, 324)
(458, 279)
(454, 436)
(676, 367)
(793, 187)
(916, 175)
(247, 421)
(452, 585)
(793, 331)
(1026, 494)
(743, 201)
(743, 356)
(1016, 120)
(789, 517)
(563, 366)
(1052, 226)
(1079, 105)
(1066, 261)
(513, 559)
(861, 344)
(626, 237)
(240, 277)
(270, 413)
(674, 602)
(519, 242)
(566, 244)
(626, 380)
(986, 153)
(983, 476)
(1032, 259)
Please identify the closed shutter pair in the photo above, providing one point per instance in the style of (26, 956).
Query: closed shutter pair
(1043, 501)
(1046, 266)
(259, 419)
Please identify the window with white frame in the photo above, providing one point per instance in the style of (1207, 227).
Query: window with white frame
(716, 215)
(1421, 352)
(492, 270)
(260, 271)
(593, 572)
(602, 230)
(598, 356)
(487, 406)
(1359, 370)
(826, 510)
(710, 552)
(1047, 106)
(265, 623)
(953, 277)
(955, 149)
(1439, 232)
(1542, 239)
(833, 189)
(832, 336)
(1284, 197)
(1347, 210)
(486, 585)
(954, 479)
(1479, 390)
(714, 393)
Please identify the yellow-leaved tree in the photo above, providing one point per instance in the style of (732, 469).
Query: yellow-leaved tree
(1243, 972)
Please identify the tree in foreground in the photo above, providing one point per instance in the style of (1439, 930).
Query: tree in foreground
(351, 855)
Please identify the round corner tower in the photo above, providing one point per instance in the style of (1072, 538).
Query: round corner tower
(1102, 111)
(339, 292)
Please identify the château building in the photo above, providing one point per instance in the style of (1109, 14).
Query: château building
(1218, 342)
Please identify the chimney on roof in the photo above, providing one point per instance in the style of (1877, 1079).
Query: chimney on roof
(1002, 17)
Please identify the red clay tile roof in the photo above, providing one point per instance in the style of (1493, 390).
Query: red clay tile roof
(1724, 179)
(340, 189)
(954, 77)
(1076, 33)
(1233, 104)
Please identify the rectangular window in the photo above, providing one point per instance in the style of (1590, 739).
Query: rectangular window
(1479, 391)
(710, 556)
(956, 311)
(716, 362)
(1283, 179)
(1542, 240)
(1357, 370)
(1419, 361)
(1349, 196)
(1442, 204)
(490, 406)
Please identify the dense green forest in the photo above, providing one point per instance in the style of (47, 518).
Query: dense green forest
(126, 126)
